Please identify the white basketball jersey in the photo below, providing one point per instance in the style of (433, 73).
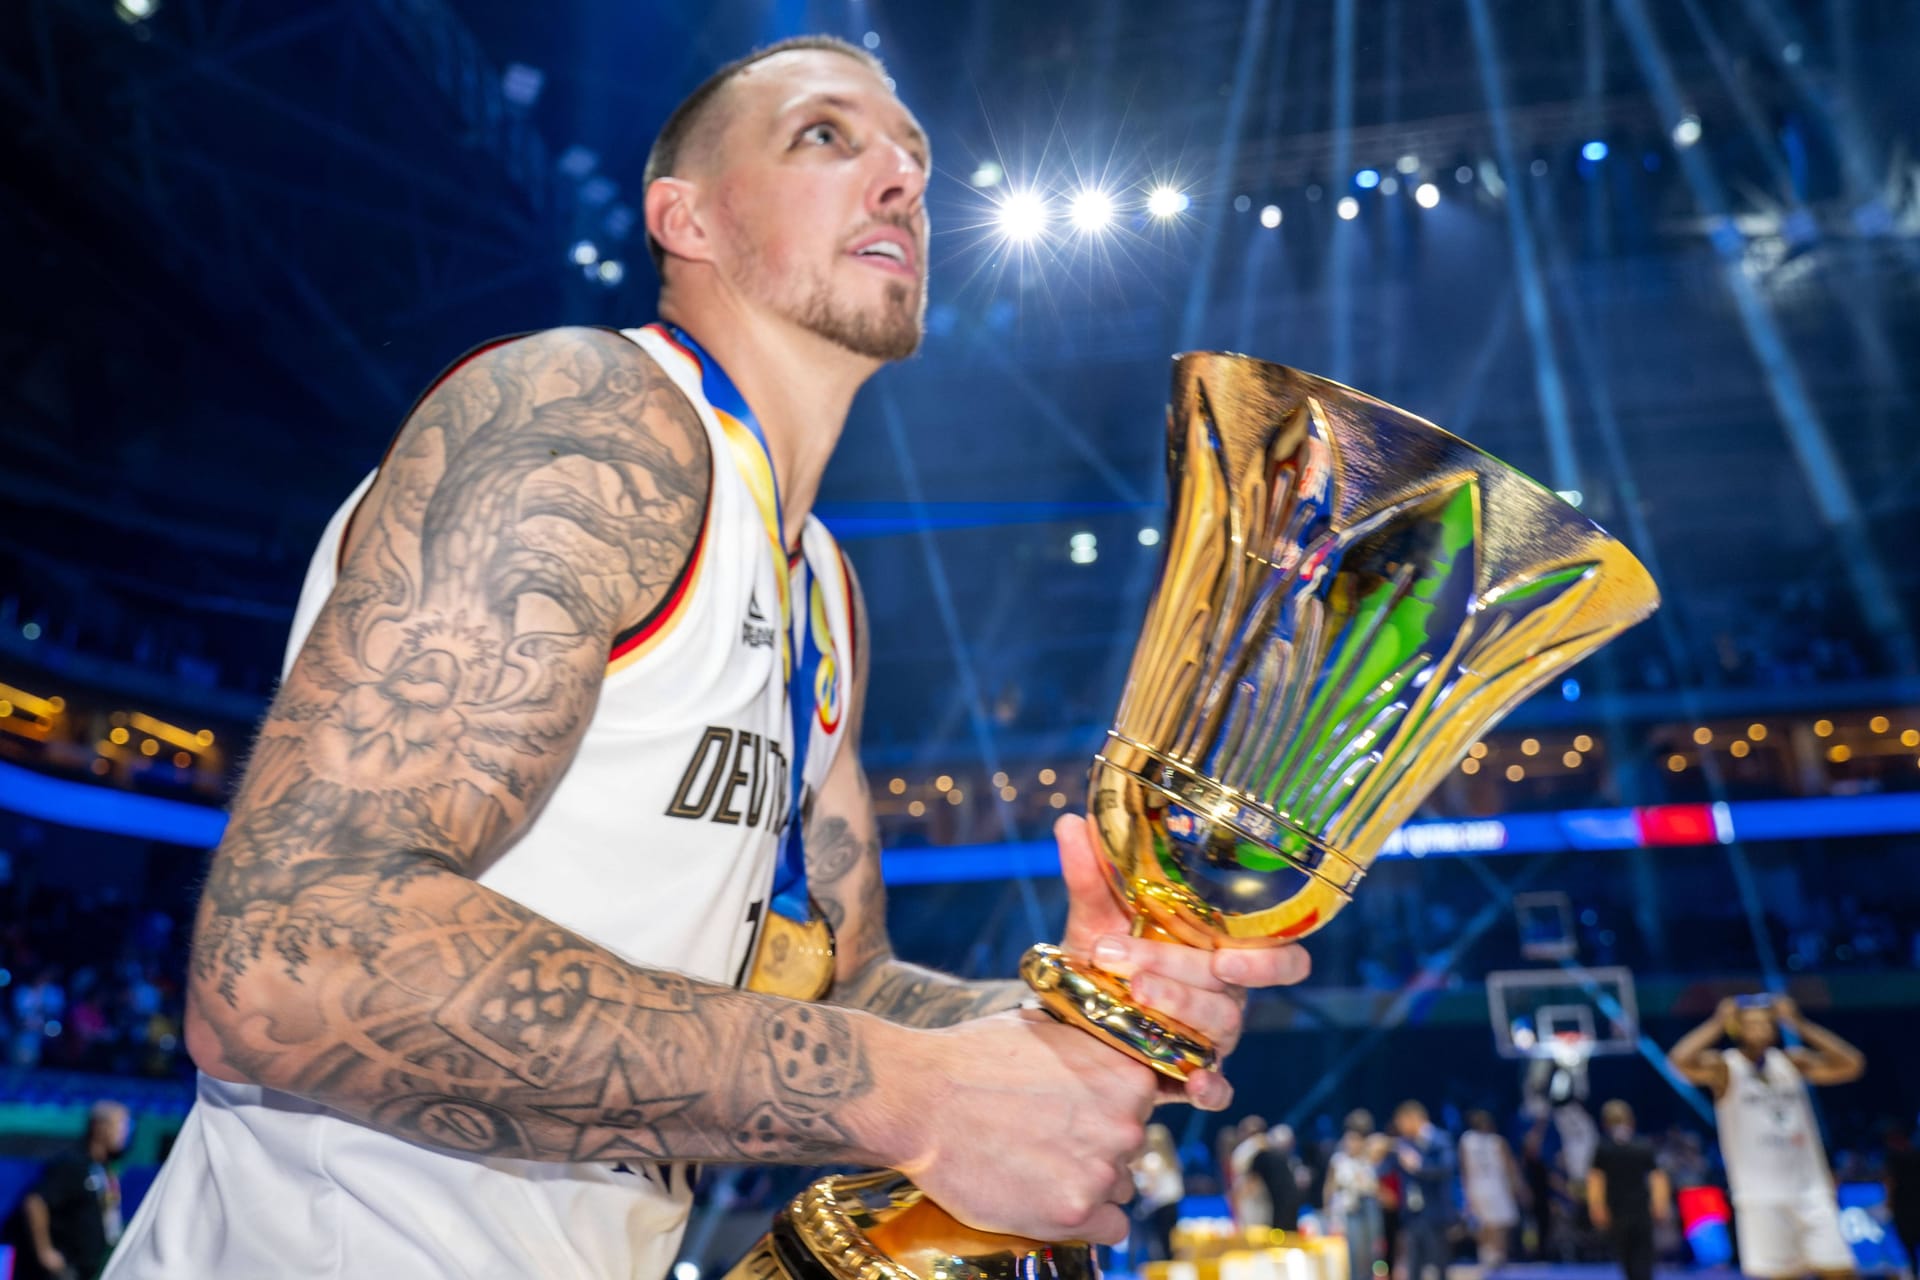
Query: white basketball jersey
(1768, 1139)
(660, 843)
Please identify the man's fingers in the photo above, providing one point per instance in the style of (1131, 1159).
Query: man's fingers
(1263, 966)
(1214, 1014)
(1204, 1090)
(1125, 957)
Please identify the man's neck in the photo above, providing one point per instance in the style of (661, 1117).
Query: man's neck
(799, 385)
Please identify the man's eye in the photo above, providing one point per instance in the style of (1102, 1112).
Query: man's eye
(820, 134)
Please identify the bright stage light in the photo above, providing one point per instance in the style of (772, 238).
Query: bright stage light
(132, 11)
(1166, 202)
(1083, 548)
(585, 253)
(1389, 185)
(1348, 208)
(1149, 537)
(1022, 216)
(1687, 132)
(1595, 151)
(1408, 164)
(1091, 211)
(1427, 195)
(1367, 179)
(986, 174)
(610, 272)
(1270, 216)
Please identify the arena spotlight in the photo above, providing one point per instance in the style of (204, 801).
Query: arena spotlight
(1595, 151)
(1687, 131)
(1427, 195)
(1167, 202)
(1083, 548)
(1091, 211)
(1348, 208)
(610, 272)
(1022, 216)
(133, 11)
(1389, 185)
(1408, 164)
(1367, 179)
(1149, 536)
(585, 253)
(1270, 216)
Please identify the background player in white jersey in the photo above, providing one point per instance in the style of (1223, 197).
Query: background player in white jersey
(358, 975)
(1785, 1213)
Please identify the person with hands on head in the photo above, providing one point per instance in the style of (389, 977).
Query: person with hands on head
(1785, 1213)
(570, 672)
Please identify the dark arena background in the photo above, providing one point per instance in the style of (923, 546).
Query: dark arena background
(1663, 255)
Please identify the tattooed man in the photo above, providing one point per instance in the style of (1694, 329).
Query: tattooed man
(464, 994)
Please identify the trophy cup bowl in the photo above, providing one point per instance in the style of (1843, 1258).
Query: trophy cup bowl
(1349, 598)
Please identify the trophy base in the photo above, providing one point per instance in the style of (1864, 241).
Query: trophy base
(878, 1226)
(1099, 1003)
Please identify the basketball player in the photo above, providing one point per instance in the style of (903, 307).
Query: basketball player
(566, 670)
(1785, 1213)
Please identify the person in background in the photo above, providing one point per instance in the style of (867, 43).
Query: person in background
(1492, 1183)
(1786, 1216)
(1252, 1208)
(1903, 1193)
(1627, 1191)
(1159, 1188)
(1380, 1153)
(72, 1215)
(1425, 1157)
(1282, 1173)
(1352, 1195)
(1536, 1174)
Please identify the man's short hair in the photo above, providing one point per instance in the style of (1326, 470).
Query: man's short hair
(1411, 1108)
(663, 161)
(1616, 1113)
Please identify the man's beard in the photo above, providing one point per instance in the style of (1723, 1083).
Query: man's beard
(892, 335)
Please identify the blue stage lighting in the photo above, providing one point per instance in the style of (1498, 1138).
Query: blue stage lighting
(1595, 151)
(1367, 179)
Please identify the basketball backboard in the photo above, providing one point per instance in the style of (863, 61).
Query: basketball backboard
(1568, 1012)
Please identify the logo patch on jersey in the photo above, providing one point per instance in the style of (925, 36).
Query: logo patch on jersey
(826, 677)
(756, 632)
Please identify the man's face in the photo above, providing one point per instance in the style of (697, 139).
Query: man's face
(1408, 1124)
(818, 187)
(1754, 1029)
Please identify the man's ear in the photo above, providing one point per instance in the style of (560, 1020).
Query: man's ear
(674, 221)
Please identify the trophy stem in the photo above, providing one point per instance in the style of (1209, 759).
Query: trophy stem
(1101, 1004)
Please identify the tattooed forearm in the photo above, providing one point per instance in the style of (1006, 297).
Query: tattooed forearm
(843, 874)
(452, 1016)
(543, 497)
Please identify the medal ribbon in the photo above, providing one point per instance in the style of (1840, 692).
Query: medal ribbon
(754, 460)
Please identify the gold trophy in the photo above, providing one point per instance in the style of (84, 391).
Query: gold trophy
(1350, 598)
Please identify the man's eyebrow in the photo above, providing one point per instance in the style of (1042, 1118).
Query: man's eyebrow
(914, 132)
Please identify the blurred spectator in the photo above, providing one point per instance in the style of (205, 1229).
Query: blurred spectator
(1492, 1184)
(1425, 1158)
(71, 1219)
(1352, 1194)
(1283, 1176)
(1627, 1192)
(1903, 1192)
(1160, 1187)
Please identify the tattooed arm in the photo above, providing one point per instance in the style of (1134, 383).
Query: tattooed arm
(542, 497)
(843, 875)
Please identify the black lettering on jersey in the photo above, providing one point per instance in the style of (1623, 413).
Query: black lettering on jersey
(757, 793)
(728, 815)
(714, 742)
(732, 767)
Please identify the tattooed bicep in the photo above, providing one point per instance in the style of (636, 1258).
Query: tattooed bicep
(545, 494)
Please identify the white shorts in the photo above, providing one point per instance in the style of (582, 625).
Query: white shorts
(1783, 1240)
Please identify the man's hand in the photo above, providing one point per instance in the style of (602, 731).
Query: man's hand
(1027, 1126)
(52, 1261)
(1204, 989)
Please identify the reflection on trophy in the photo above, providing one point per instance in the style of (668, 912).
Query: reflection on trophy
(1350, 598)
